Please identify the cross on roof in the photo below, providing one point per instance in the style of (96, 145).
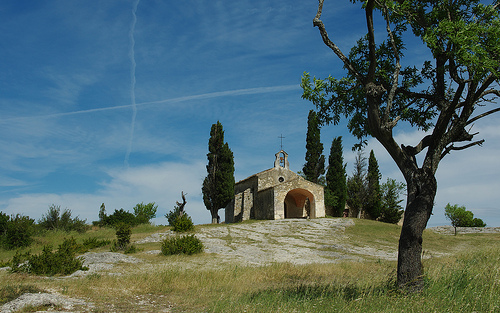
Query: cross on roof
(281, 137)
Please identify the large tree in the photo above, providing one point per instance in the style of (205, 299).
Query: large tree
(218, 186)
(441, 96)
(315, 160)
(336, 190)
(373, 198)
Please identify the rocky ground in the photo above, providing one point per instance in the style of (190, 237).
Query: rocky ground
(297, 241)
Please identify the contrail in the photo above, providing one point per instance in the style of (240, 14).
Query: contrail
(132, 81)
(210, 95)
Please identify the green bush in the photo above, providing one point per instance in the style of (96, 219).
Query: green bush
(145, 212)
(172, 215)
(93, 242)
(188, 244)
(54, 220)
(183, 223)
(63, 261)
(122, 242)
(17, 231)
(120, 216)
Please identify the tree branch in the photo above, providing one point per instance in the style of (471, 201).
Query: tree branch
(452, 147)
(395, 75)
(472, 120)
(424, 143)
(324, 35)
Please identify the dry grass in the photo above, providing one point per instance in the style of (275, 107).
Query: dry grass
(466, 279)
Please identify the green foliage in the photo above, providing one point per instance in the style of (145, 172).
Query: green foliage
(94, 242)
(356, 184)
(188, 244)
(391, 210)
(102, 215)
(477, 222)
(16, 231)
(173, 215)
(218, 185)
(62, 261)
(315, 161)
(336, 188)
(145, 212)
(373, 200)
(183, 223)
(461, 217)
(123, 234)
(120, 216)
(55, 220)
(4, 219)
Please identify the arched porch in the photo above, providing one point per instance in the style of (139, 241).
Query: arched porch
(299, 203)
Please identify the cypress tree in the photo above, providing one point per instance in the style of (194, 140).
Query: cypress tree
(336, 188)
(391, 211)
(315, 161)
(218, 186)
(374, 199)
(356, 185)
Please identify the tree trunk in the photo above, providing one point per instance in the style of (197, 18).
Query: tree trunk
(421, 193)
(215, 216)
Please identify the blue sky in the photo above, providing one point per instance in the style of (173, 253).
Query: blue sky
(112, 102)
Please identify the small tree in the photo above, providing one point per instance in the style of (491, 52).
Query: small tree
(461, 217)
(18, 231)
(315, 161)
(391, 210)
(373, 199)
(178, 219)
(121, 216)
(218, 186)
(336, 188)
(54, 220)
(102, 215)
(356, 186)
(145, 212)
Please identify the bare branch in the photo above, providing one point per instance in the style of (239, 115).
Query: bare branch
(491, 92)
(372, 57)
(395, 75)
(452, 147)
(324, 35)
(181, 205)
(424, 143)
(472, 120)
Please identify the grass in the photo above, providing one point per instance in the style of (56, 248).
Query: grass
(465, 279)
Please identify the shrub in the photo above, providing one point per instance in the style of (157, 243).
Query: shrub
(145, 212)
(188, 244)
(183, 223)
(122, 242)
(93, 242)
(63, 261)
(55, 220)
(120, 216)
(17, 231)
(173, 215)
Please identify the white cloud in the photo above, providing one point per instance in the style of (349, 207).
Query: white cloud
(160, 183)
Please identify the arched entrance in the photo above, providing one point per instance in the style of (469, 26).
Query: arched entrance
(297, 202)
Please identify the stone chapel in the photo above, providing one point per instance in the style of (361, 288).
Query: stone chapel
(276, 193)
